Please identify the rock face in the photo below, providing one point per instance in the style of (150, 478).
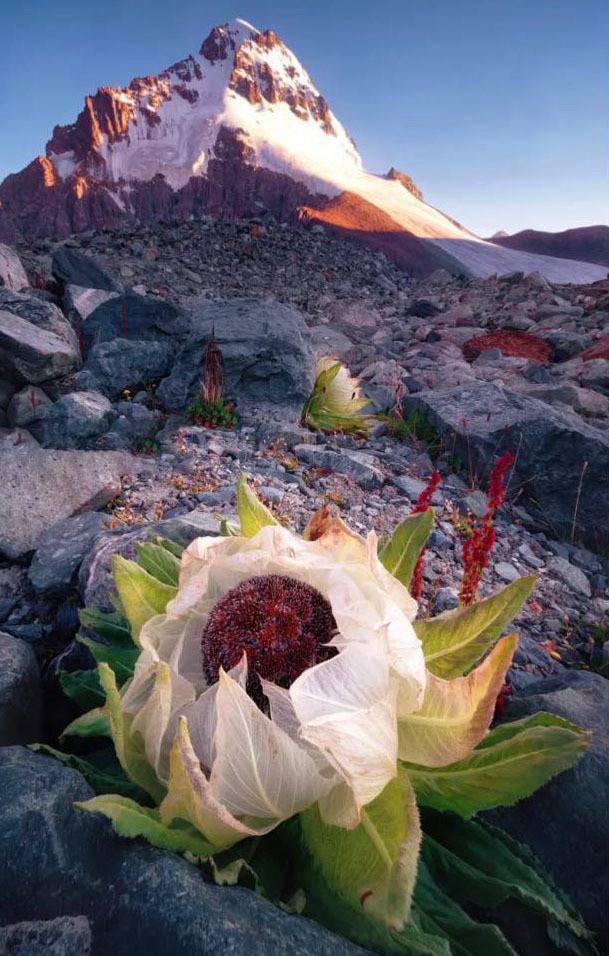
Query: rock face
(20, 693)
(39, 312)
(58, 859)
(31, 354)
(74, 420)
(570, 812)
(64, 936)
(12, 273)
(481, 420)
(266, 357)
(71, 267)
(587, 243)
(61, 549)
(123, 363)
(41, 487)
(134, 317)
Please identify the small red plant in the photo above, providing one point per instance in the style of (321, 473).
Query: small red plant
(477, 548)
(515, 344)
(422, 504)
(210, 409)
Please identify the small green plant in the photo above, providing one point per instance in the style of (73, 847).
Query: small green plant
(148, 447)
(335, 405)
(210, 408)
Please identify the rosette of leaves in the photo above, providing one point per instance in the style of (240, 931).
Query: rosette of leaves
(335, 404)
(378, 841)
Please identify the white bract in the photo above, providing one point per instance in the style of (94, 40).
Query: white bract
(331, 739)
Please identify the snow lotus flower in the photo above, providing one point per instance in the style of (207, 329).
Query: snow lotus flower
(282, 678)
(335, 404)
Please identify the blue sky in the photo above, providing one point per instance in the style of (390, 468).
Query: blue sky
(496, 108)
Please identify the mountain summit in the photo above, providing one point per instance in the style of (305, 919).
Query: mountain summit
(237, 129)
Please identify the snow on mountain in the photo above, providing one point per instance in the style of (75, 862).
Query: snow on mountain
(235, 128)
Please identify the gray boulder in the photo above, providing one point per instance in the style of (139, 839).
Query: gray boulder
(140, 901)
(44, 315)
(27, 405)
(136, 317)
(64, 936)
(61, 550)
(20, 693)
(79, 301)
(31, 354)
(353, 464)
(566, 822)
(41, 487)
(480, 421)
(12, 273)
(72, 267)
(123, 363)
(135, 424)
(74, 420)
(266, 355)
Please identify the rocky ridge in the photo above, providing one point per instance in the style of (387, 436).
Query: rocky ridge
(133, 309)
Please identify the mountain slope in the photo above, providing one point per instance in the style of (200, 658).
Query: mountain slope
(587, 243)
(235, 129)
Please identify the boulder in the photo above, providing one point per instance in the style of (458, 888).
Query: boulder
(481, 420)
(41, 487)
(139, 901)
(64, 936)
(72, 267)
(565, 823)
(12, 273)
(31, 354)
(79, 301)
(354, 464)
(135, 317)
(267, 358)
(60, 552)
(44, 315)
(123, 363)
(74, 420)
(27, 406)
(20, 693)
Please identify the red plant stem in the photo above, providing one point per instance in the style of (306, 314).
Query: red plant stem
(476, 550)
(124, 319)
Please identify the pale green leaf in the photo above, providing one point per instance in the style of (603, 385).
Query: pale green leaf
(159, 562)
(455, 714)
(335, 404)
(510, 763)
(400, 554)
(141, 595)
(129, 819)
(129, 747)
(455, 641)
(252, 513)
(95, 723)
(373, 866)
(172, 546)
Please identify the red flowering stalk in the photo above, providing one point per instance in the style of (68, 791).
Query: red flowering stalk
(422, 504)
(213, 380)
(476, 549)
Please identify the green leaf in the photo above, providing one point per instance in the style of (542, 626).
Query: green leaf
(141, 595)
(95, 723)
(129, 747)
(252, 513)
(373, 866)
(102, 778)
(399, 556)
(114, 628)
(475, 862)
(83, 687)
(121, 659)
(510, 763)
(129, 819)
(159, 562)
(455, 641)
(172, 546)
(440, 915)
(227, 529)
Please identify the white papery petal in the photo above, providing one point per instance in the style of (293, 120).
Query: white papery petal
(259, 772)
(284, 715)
(346, 708)
(157, 719)
(177, 641)
(201, 716)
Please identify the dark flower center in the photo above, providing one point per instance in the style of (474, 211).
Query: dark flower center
(282, 625)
